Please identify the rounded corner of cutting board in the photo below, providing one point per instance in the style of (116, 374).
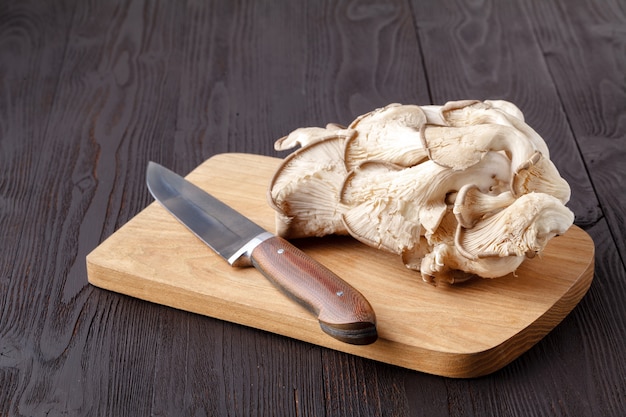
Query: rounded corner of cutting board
(223, 176)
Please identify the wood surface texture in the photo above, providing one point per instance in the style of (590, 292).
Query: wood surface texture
(90, 91)
(465, 330)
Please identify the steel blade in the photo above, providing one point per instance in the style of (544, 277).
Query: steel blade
(222, 228)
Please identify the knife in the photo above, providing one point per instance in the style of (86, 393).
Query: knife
(342, 311)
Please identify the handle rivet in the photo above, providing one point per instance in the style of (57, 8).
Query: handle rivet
(280, 251)
(339, 293)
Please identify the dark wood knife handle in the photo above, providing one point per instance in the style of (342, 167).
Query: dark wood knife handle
(342, 311)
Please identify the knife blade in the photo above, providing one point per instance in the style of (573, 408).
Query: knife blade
(342, 311)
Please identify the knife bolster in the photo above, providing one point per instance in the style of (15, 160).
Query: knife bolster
(242, 258)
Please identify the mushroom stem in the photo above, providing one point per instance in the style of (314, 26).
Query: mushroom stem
(472, 205)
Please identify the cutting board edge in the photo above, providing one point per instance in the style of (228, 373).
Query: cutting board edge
(523, 341)
(443, 363)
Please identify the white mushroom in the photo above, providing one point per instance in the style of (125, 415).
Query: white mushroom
(387, 206)
(461, 147)
(457, 190)
(390, 134)
(306, 136)
(472, 205)
(444, 262)
(465, 113)
(524, 227)
(305, 190)
(539, 174)
(507, 107)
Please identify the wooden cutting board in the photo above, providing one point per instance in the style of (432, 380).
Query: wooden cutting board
(463, 330)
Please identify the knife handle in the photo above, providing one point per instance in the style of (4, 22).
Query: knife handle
(342, 311)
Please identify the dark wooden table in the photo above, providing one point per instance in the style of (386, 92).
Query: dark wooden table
(90, 91)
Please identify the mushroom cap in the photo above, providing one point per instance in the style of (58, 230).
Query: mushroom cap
(306, 136)
(460, 189)
(540, 175)
(390, 134)
(523, 227)
(444, 260)
(387, 206)
(304, 190)
(465, 113)
(461, 147)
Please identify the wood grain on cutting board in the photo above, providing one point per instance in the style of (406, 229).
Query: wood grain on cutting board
(462, 330)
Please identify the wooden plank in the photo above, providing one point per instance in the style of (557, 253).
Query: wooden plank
(323, 62)
(32, 41)
(33, 38)
(584, 52)
(491, 53)
(459, 331)
(93, 78)
(583, 44)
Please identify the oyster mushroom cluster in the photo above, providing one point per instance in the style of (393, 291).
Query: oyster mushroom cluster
(458, 190)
